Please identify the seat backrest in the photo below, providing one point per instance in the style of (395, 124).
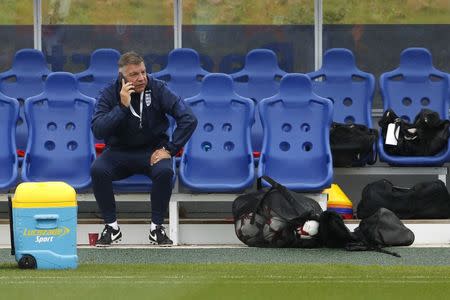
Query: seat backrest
(103, 69)
(414, 85)
(259, 79)
(25, 79)
(26, 76)
(183, 72)
(296, 150)
(218, 157)
(350, 89)
(9, 112)
(260, 76)
(60, 143)
(103, 65)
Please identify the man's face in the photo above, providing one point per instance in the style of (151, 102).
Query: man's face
(137, 75)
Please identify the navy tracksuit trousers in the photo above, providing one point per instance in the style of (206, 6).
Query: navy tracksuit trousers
(114, 165)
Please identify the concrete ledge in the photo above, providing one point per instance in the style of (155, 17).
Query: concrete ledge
(440, 172)
(427, 233)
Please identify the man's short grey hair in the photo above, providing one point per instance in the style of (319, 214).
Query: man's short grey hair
(130, 58)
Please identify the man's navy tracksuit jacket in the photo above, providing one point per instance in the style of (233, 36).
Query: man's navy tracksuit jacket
(130, 142)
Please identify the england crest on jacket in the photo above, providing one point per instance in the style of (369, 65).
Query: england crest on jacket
(148, 97)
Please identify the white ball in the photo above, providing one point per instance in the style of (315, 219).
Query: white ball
(311, 227)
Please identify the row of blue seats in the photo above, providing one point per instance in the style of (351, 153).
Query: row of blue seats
(29, 71)
(218, 157)
(339, 79)
(415, 79)
(259, 79)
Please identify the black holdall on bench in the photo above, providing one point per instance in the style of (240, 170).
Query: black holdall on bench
(352, 145)
(425, 200)
(426, 136)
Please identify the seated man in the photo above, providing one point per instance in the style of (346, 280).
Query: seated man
(130, 116)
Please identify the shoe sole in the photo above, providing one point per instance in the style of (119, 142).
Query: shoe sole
(160, 245)
(112, 244)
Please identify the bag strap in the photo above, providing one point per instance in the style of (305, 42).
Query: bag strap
(363, 246)
(252, 220)
(381, 250)
(268, 179)
(275, 185)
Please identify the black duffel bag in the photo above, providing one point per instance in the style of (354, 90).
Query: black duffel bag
(427, 136)
(271, 216)
(352, 145)
(381, 229)
(425, 200)
(384, 229)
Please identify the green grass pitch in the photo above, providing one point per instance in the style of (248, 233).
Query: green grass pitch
(226, 281)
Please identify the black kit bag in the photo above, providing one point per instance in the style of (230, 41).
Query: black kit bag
(332, 231)
(425, 200)
(270, 216)
(382, 229)
(426, 136)
(352, 145)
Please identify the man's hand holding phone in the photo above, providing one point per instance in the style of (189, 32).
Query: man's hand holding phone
(125, 92)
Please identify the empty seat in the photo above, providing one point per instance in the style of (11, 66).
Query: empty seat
(25, 79)
(259, 79)
(9, 112)
(218, 157)
(60, 143)
(296, 149)
(103, 69)
(183, 72)
(350, 89)
(415, 85)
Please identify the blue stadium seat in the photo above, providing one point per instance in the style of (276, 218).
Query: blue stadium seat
(103, 69)
(183, 72)
(60, 143)
(258, 79)
(296, 149)
(25, 79)
(218, 157)
(415, 85)
(350, 89)
(9, 112)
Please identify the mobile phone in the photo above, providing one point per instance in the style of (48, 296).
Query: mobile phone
(122, 77)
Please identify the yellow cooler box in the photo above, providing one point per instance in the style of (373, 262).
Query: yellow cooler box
(43, 225)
